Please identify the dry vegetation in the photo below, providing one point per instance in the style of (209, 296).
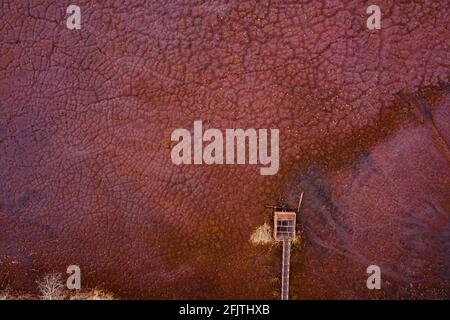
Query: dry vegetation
(52, 287)
(4, 294)
(262, 235)
(92, 295)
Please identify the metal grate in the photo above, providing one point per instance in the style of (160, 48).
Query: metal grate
(285, 229)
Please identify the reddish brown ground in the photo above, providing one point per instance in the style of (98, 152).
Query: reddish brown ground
(85, 124)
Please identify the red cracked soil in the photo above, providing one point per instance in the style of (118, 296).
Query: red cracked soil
(85, 124)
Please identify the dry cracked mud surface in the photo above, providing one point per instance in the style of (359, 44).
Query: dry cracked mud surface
(85, 123)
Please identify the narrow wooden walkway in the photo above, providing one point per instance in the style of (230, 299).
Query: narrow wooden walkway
(285, 270)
